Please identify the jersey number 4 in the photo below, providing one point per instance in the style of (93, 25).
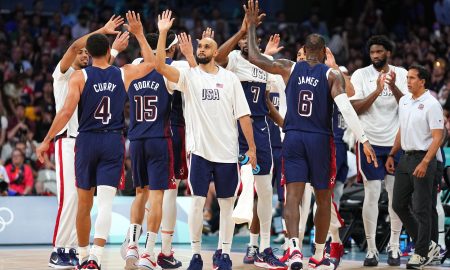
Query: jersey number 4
(146, 108)
(305, 103)
(103, 110)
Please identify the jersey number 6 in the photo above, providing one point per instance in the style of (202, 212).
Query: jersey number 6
(305, 103)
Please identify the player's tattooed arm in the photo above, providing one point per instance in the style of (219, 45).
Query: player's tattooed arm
(164, 23)
(280, 66)
(186, 48)
(273, 112)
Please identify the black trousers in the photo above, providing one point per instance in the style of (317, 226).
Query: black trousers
(413, 199)
(434, 214)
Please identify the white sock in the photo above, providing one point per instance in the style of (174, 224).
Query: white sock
(226, 211)
(372, 191)
(396, 223)
(96, 254)
(105, 197)
(254, 240)
(169, 219)
(166, 243)
(83, 253)
(264, 190)
(195, 221)
(318, 255)
(135, 233)
(294, 244)
(150, 243)
(441, 221)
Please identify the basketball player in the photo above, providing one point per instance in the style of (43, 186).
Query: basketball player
(152, 160)
(376, 103)
(65, 235)
(214, 101)
(100, 91)
(254, 81)
(307, 146)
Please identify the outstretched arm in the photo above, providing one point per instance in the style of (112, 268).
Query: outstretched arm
(133, 72)
(337, 84)
(280, 66)
(76, 84)
(164, 23)
(119, 45)
(71, 53)
(185, 44)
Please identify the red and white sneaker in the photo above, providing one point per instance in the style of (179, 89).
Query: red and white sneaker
(285, 257)
(295, 260)
(324, 264)
(336, 253)
(146, 261)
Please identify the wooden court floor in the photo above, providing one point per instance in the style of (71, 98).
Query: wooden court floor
(36, 258)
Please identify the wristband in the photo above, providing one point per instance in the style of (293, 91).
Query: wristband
(114, 53)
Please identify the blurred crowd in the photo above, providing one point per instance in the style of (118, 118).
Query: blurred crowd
(33, 40)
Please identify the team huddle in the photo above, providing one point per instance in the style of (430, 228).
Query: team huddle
(191, 120)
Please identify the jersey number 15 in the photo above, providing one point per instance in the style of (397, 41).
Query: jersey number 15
(146, 109)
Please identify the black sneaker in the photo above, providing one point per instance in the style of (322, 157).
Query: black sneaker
(216, 257)
(73, 257)
(393, 255)
(416, 262)
(60, 260)
(371, 258)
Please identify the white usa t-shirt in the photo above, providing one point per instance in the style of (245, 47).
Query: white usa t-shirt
(213, 104)
(246, 71)
(380, 122)
(60, 90)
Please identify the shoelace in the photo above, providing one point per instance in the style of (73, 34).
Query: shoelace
(372, 254)
(272, 259)
(251, 251)
(297, 255)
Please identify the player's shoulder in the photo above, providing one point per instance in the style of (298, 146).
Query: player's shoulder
(398, 70)
(404, 98)
(180, 64)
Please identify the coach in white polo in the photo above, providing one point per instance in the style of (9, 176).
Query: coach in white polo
(420, 135)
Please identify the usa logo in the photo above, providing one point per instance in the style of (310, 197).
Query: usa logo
(421, 106)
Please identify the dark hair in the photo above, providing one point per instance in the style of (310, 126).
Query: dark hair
(423, 73)
(152, 39)
(380, 40)
(97, 45)
(314, 42)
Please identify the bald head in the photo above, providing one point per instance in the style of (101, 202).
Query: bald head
(315, 47)
(206, 50)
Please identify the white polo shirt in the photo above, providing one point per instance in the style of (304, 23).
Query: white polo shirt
(60, 90)
(417, 118)
(213, 104)
(380, 121)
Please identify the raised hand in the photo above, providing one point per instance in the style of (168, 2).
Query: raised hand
(165, 21)
(272, 46)
(110, 27)
(185, 43)
(134, 25)
(121, 41)
(208, 33)
(251, 13)
(390, 79)
(330, 60)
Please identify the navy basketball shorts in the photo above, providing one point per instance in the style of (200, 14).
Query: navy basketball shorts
(152, 163)
(179, 152)
(276, 173)
(224, 175)
(367, 171)
(262, 141)
(309, 157)
(341, 162)
(99, 159)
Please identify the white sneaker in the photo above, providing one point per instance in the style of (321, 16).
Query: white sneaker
(124, 246)
(416, 262)
(148, 262)
(131, 257)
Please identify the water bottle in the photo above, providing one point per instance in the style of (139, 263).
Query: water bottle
(243, 159)
(403, 242)
(312, 236)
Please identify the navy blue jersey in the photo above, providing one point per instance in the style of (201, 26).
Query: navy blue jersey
(339, 125)
(309, 101)
(176, 115)
(275, 137)
(255, 93)
(102, 101)
(149, 107)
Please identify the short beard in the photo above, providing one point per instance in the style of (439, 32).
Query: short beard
(244, 52)
(203, 60)
(380, 63)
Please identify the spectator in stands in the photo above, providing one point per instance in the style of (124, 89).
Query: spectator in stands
(20, 175)
(18, 125)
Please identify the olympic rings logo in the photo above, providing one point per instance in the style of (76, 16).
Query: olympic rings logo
(6, 218)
